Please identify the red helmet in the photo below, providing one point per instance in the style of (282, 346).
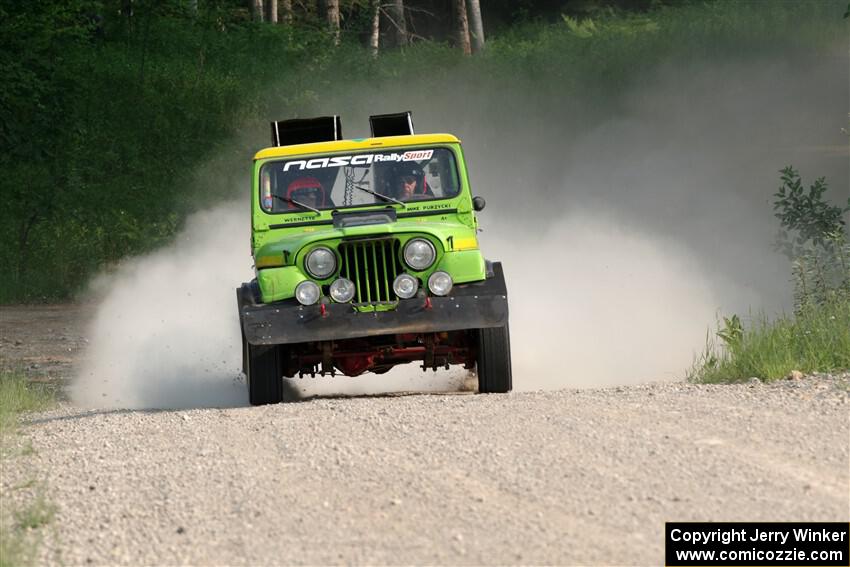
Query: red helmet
(305, 186)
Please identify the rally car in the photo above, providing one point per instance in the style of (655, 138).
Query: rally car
(366, 257)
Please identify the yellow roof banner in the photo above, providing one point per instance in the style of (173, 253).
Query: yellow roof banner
(355, 145)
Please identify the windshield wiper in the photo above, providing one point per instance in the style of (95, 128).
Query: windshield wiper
(384, 197)
(297, 204)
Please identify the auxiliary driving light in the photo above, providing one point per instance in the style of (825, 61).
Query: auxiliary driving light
(321, 262)
(342, 290)
(440, 283)
(307, 292)
(405, 286)
(419, 254)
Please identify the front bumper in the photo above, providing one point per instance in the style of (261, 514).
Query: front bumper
(475, 305)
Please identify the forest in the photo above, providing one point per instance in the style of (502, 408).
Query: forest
(108, 107)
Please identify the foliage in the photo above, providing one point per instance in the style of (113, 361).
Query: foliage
(817, 336)
(38, 514)
(17, 395)
(19, 535)
(14, 551)
(107, 124)
(812, 234)
(18, 538)
(732, 333)
(616, 47)
(822, 275)
(816, 340)
(807, 219)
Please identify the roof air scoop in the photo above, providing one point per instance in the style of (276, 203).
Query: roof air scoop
(306, 130)
(400, 124)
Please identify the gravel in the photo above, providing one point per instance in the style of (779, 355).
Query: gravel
(562, 477)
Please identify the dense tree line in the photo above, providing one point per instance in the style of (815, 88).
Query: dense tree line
(388, 23)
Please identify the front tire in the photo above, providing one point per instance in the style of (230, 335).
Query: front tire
(264, 373)
(494, 361)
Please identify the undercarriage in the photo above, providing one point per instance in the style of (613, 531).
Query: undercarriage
(285, 339)
(353, 357)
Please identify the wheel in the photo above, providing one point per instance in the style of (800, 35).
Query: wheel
(494, 361)
(264, 374)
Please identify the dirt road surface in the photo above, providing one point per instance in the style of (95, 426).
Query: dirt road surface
(562, 477)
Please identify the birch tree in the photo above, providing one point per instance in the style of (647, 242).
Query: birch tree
(477, 25)
(257, 10)
(286, 8)
(399, 23)
(375, 36)
(462, 26)
(271, 11)
(332, 13)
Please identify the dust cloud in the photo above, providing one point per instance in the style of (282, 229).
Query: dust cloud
(625, 225)
(166, 332)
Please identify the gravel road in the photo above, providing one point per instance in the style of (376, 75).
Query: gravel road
(561, 477)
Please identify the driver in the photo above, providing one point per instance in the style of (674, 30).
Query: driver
(406, 187)
(308, 196)
(410, 184)
(307, 191)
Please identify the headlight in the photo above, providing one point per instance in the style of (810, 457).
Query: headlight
(307, 292)
(405, 286)
(440, 283)
(321, 263)
(342, 290)
(419, 254)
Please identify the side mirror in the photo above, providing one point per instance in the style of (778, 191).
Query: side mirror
(478, 203)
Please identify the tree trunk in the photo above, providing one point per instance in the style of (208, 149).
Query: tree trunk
(257, 10)
(375, 37)
(23, 244)
(271, 11)
(286, 8)
(399, 23)
(477, 25)
(333, 18)
(462, 30)
(127, 12)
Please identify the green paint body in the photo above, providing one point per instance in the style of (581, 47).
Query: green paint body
(280, 252)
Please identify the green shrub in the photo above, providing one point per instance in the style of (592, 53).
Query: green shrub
(812, 235)
(817, 337)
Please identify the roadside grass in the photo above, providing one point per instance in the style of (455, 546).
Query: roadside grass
(15, 551)
(39, 513)
(814, 340)
(18, 394)
(19, 526)
(19, 535)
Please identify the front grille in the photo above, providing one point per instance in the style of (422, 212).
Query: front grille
(373, 266)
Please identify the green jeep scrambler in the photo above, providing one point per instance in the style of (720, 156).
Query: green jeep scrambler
(366, 255)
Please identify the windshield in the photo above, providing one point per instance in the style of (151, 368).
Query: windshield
(358, 179)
